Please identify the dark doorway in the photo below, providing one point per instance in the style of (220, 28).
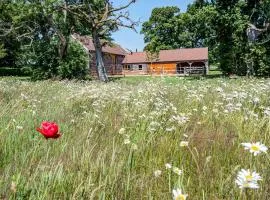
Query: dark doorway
(198, 68)
(180, 68)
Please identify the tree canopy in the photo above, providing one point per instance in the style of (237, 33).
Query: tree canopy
(226, 27)
(39, 31)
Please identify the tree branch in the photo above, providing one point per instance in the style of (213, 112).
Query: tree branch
(252, 26)
(122, 7)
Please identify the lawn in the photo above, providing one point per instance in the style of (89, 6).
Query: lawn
(134, 138)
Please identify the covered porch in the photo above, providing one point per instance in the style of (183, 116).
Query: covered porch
(195, 67)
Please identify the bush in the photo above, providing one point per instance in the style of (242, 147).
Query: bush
(75, 65)
(42, 61)
(8, 71)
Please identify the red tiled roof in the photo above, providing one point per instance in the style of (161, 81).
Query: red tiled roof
(176, 55)
(112, 49)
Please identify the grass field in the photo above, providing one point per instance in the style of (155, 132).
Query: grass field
(120, 139)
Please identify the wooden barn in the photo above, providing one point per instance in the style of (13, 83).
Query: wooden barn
(118, 61)
(113, 56)
(177, 62)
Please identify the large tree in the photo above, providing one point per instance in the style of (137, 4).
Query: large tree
(160, 29)
(220, 25)
(101, 17)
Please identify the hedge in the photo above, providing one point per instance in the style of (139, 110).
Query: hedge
(9, 71)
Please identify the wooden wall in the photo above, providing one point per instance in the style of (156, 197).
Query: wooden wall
(165, 68)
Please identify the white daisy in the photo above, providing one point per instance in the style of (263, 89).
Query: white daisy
(255, 148)
(126, 141)
(168, 166)
(157, 173)
(247, 179)
(178, 195)
(177, 171)
(183, 143)
(122, 131)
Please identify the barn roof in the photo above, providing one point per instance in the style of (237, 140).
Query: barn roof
(176, 55)
(112, 48)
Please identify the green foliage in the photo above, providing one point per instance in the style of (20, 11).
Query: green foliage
(2, 51)
(36, 35)
(75, 64)
(8, 71)
(219, 25)
(42, 61)
(160, 25)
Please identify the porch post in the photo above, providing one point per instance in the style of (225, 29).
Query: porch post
(206, 64)
(190, 63)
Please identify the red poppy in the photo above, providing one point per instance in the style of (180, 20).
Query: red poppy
(49, 130)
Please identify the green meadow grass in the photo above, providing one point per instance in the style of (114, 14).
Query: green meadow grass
(116, 135)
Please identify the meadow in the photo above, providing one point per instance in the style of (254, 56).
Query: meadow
(134, 138)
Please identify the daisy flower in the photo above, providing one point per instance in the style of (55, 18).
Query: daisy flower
(178, 195)
(255, 148)
(157, 173)
(183, 143)
(177, 171)
(168, 166)
(126, 141)
(247, 179)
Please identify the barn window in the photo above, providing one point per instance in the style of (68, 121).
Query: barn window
(140, 67)
(128, 67)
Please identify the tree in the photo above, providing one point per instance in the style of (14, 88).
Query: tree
(167, 28)
(101, 17)
(152, 56)
(2, 51)
(160, 29)
(221, 26)
(41, 30)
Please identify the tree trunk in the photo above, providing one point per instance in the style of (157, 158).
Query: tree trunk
(102, 74)
(63, 46)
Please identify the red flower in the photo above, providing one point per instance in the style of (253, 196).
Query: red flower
(49, 130)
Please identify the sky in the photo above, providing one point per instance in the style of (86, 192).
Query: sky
(141, 11)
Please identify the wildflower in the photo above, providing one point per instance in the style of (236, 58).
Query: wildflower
(256, 100)
(204, 108)
(247, 179)
(134, 147)
(178, 195)
(215, 110)
(267, 111)
(255, 148)
(122, 131)
(19, 127)
(157, 173)
(126, 141)
(168, 166)
(219, 89)
(177, 171)
(170, 129)
(183, 143)
(49, 130)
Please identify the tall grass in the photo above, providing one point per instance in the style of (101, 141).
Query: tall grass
(116, 135)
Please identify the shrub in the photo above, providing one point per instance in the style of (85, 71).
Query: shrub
(42, 61)
(8, 71)
(75, 64)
